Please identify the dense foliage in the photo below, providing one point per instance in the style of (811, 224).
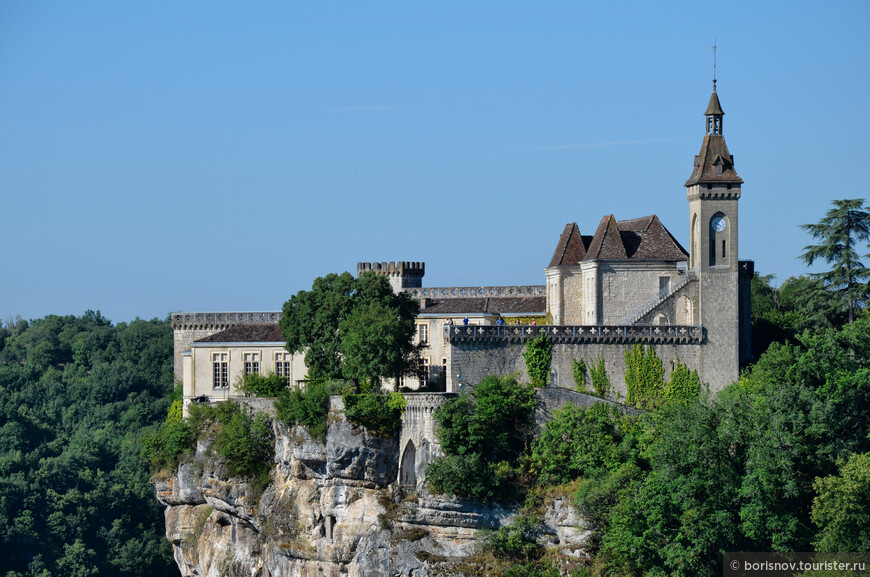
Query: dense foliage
(380, 413)
(244, 440)
(354, 328)
(266, 385)
(482, 433)
(307, 406)
(583, 443)
(775, 462)
(75, 395)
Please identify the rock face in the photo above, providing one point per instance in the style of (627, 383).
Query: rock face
(333, 509)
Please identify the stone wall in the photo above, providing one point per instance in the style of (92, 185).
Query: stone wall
(481, 351)
(418, 443)
(190, 327)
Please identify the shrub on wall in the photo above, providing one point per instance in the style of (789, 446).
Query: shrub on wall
(684, 385)
(644, 376)
(582, 443)
(599, 378)
(578, 368)
(538, 356)
(245, 441)
(256, 385)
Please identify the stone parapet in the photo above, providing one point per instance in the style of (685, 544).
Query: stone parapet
(604, 334)
(211, 321)
(477, 292)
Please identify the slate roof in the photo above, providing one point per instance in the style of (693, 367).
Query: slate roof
(571, 247)
(638, 238)
(714, 108)
(482, 305)
(607, 242)
(713, 151)
(247, 333)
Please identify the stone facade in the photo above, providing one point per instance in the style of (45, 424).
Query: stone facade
(190, 327)
(480, 351)
(630, 282)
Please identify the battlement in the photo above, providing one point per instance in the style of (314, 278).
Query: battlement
(402, 274)
(574, 334)
(220, 321)
(477, 292)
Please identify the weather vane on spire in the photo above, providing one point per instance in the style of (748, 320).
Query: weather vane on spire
(715, 44)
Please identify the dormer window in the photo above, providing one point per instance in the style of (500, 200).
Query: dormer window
(717, 166)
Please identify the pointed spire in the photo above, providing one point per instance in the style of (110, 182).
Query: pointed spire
(714, 163)
(714, 108)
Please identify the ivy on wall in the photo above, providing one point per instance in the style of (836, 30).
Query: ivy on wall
(578, 368)
(599, 378)
(645, 379)
(539, 356)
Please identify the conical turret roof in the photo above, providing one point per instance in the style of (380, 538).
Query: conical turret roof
(714, 108)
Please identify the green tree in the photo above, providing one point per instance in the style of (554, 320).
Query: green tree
(582, 443)
(482, 434)
(840, 232)
(356, 328)
(376, 342)
(310, 323)
(841, 508)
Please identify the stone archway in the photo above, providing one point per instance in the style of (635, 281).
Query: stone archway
(407, 470)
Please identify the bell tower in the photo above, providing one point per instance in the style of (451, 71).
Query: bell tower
(713, 192)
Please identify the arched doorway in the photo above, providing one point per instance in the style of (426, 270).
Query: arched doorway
(408, 473)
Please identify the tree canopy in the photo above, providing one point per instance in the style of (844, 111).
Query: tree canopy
(840, 233)
(354, 328)
(76, 393)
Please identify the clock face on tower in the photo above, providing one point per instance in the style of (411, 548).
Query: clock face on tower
(718, 224)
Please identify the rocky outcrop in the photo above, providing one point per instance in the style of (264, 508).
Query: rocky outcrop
(333, 509)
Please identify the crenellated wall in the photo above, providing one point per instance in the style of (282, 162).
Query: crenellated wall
(491, 350)
(477, 291)
(189, 327)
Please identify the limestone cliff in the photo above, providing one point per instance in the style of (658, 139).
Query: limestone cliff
(332, 509)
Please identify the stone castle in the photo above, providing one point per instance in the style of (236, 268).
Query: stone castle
(629, 282)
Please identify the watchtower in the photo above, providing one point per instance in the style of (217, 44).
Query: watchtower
(402, 274)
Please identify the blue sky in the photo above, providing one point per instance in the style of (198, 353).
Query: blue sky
(193, 156)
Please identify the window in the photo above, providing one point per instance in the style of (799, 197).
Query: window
(423, 334)
(282, 365)
(664, 285)
(424, 376)
(443, 376)
(220, 370)
(252, 363)
(723, 249)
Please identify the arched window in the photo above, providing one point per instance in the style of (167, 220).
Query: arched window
(719, 245)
